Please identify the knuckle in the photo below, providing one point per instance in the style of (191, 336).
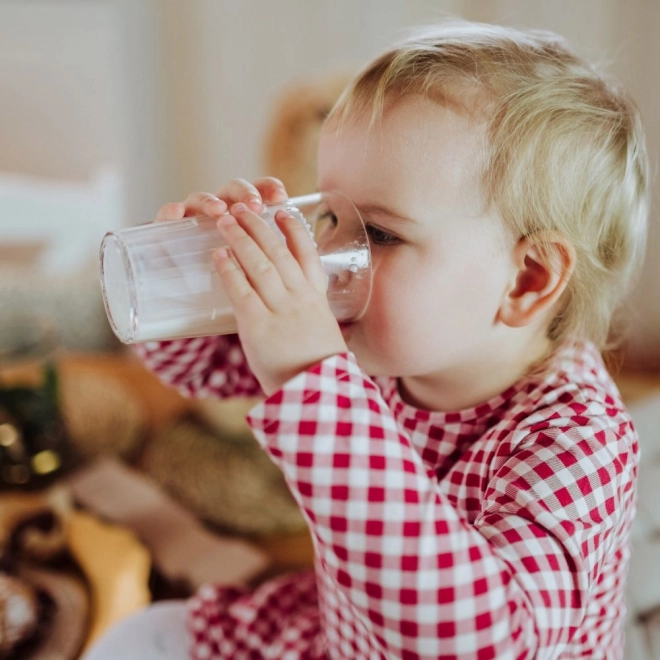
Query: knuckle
(280, 251)
(243, 241)
(228, 264)
(263, 267)
(296, 225)
(306, 295)
(245, 292)
(302, 234)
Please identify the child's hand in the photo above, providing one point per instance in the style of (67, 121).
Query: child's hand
(278, 292)
(267, 190)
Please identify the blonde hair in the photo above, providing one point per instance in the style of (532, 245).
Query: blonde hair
(566, 150)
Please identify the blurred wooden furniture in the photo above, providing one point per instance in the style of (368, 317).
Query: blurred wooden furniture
(635, 386)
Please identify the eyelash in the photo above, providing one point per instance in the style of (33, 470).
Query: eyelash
(380, 237)
(376, 234)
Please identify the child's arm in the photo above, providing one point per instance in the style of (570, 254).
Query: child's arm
(419, 578)
(201, 367)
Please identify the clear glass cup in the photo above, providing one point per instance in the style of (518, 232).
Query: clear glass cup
(159, 280)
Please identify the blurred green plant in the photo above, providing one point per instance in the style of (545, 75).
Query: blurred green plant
(33, 441)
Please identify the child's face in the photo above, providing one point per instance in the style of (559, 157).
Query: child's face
(439, 279)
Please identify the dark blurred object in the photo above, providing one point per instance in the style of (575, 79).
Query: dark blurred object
(62, 607)
(19, 613)
(33, 441)
(72, 573)
(44, 603)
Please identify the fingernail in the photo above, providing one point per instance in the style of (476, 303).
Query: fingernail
(239, 208)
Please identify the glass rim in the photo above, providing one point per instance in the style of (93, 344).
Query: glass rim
(112, 239)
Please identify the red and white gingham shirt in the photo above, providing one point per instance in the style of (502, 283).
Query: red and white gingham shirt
(499, 531)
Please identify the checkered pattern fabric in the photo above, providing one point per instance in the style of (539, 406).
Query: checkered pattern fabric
(499, 531)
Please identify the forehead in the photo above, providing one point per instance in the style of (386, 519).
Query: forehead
(419, 152)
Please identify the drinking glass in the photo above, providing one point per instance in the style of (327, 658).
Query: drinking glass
(159, 280)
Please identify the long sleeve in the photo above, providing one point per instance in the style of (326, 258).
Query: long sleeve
(421, 581)
(202, 366)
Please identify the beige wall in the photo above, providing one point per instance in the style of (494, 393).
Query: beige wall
(177, 93)
(79, 89)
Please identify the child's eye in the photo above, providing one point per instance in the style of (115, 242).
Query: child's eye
(376, 235)
(380, 237)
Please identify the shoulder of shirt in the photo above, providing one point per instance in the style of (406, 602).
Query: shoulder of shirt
(576, 391)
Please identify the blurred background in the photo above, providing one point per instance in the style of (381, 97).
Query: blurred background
(111, 108)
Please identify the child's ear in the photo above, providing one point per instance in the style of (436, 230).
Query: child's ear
(544, 264)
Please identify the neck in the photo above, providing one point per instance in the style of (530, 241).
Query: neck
(469, 385)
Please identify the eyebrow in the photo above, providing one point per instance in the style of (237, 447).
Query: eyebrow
(379, 209)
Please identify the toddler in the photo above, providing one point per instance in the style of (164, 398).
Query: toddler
(460, 453)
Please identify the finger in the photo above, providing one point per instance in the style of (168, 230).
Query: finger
(204, 203)
(242, 296)
(302, 248)
(240, 190)
(272, 190)
(272, 245)
(260, 271)
(171, 211)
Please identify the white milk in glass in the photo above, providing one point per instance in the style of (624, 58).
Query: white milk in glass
(159, 280)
